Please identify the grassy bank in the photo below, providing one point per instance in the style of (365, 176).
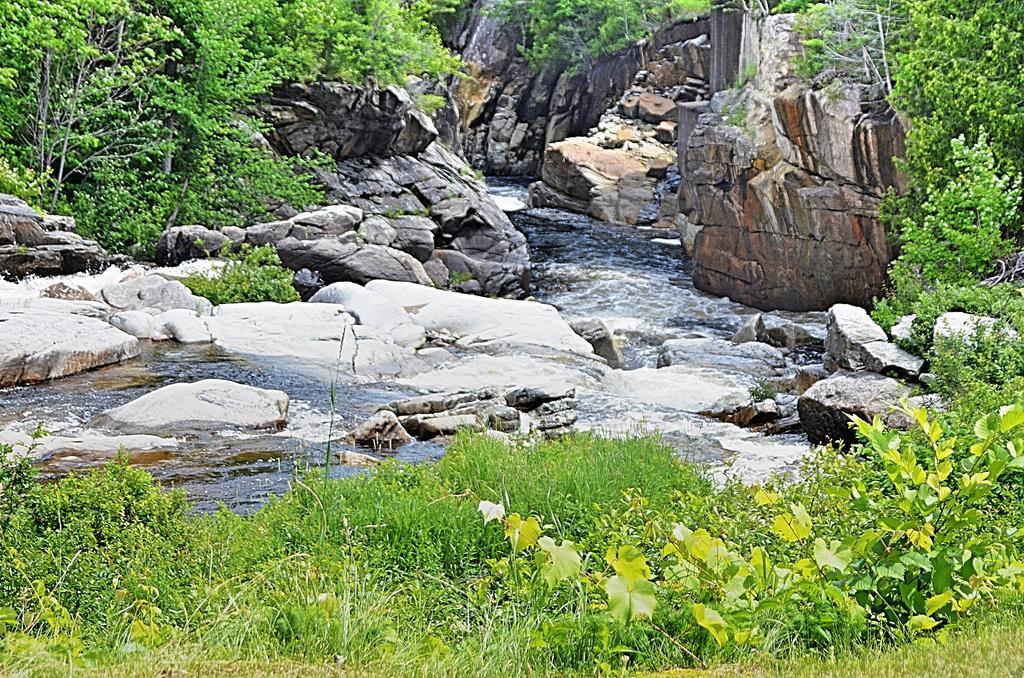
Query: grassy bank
(610, 556)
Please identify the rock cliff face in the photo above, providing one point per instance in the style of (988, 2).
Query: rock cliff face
(617, 171)
(403, 206)
(782, 182)
(509, 114)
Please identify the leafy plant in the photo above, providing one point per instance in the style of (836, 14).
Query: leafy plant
(967, 220)
(250, 275)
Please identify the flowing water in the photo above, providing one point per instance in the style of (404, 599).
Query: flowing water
(634, 279)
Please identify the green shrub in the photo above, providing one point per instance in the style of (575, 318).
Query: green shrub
(968, 219)
(253, 274)
(1004, 302)
(595, 554)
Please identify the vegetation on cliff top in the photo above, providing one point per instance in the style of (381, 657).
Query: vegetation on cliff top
(136, 115)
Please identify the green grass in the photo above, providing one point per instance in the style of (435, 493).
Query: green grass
(395, 573)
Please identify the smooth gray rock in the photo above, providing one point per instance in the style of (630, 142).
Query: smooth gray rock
(382, 430)
(825, 408)
(751, 330)
(153, 292)
(849, 329)
(185, 327)
(37, 346)
(139, 324)
(370, 308)
(601, 339)
(208, 405)
(883, 357)
(966, 325)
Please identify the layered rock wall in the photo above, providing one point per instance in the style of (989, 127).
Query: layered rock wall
(509, 114)
(782, 182)
(402, 206)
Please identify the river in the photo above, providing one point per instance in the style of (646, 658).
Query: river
(634, 279)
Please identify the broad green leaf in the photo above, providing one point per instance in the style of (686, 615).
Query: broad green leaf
(922, 622)
(562, 563)
(699, 544)
(629, 599)
(8, 617)
(834, 557)
(629, 563)
(802, 517)
(491, 511)
(794, 526)
(765, 498)
(712, 621)
(521, 533)
(760, 562)
(937, 602)
(1010, 417)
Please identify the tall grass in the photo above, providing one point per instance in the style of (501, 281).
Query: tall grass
(383, 572)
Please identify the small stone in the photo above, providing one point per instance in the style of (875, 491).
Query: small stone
(382, 430)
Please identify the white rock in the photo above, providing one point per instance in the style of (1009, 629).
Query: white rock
(88, 443)
(136, 323)
(485, 371)
(322, 336)
(374, 310)
(849, 329)
(208, 405)
(965, 326)
(183, 326)
(498, 326)
(904, 328)
(154, 292)
(36, 346)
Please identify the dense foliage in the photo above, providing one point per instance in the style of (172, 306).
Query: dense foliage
(135, 115)
(589, 555)
(573, 33)
(250, 275)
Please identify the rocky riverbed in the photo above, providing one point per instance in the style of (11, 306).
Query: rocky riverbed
(605, 296)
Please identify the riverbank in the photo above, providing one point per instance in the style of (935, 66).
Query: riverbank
(497, 559)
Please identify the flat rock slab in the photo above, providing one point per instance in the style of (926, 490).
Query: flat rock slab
(496, 326)
(87, 445)
(208, 405)
(37, 346)
(323, 337)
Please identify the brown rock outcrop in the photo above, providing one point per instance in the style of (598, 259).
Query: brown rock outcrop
(509, 113)
(782, 182)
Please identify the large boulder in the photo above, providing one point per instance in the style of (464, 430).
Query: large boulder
(182, 243)
(825, 408)
(375, 310)
(346, 121)
(154, 294)
(963, 326)
(202, 406)
(856, 342)
(338, 261)
(608, 184)
(37, 346)
(31, 244)
(486, 325)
